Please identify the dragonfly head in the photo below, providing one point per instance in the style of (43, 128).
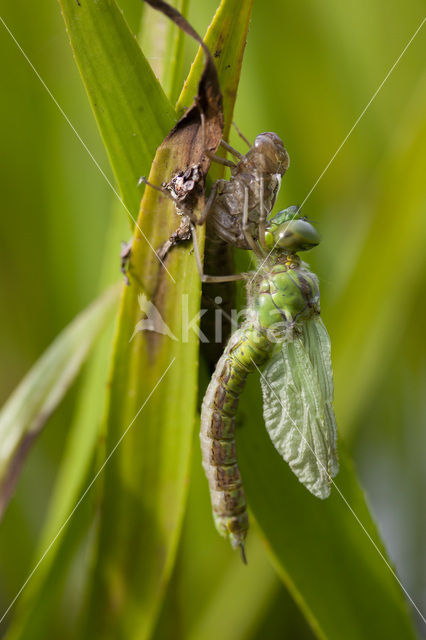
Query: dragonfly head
(271, 155)
(289, 231)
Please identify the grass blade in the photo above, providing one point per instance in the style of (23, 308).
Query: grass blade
(146, 480)
(29, 407)
(131, 109)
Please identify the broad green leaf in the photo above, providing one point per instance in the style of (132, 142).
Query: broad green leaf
(327, 552)
(131, 109)
(152, 400)
(32, 403)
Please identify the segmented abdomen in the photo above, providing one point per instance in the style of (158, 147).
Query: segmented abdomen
(246, 349)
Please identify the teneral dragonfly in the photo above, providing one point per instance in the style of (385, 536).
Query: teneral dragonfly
(284, 333)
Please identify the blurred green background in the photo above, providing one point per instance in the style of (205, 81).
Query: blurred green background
(309, 70)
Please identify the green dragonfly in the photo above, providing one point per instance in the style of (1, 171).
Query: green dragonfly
(283, 333)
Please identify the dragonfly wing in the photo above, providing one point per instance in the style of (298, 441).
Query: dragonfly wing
(317, 343)
(297, 417)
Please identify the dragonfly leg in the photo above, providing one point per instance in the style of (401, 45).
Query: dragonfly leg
(246, 230)
(203, 276)
(228, 147)
(242, 136)
(219, 160)
(210, 154)
(162, 189)
(210, 200)
(262, 218)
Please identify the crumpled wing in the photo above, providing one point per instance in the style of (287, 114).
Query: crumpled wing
(297, 385)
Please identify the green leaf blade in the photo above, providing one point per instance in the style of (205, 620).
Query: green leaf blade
(146, 478)
(29, 407)
(131, 109)
(327, 552)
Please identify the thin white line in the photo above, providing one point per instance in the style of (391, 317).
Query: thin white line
(82, 498)
(367, 106)
(83, 143)
(350, 132)
(343, 497)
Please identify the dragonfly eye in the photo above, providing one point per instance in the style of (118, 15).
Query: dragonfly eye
(296, 235)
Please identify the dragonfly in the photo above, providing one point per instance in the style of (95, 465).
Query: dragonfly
(283, 334)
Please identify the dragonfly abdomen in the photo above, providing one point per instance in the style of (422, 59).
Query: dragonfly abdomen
(247, 349)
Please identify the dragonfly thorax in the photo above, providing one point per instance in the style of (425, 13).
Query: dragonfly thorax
(288, 294)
